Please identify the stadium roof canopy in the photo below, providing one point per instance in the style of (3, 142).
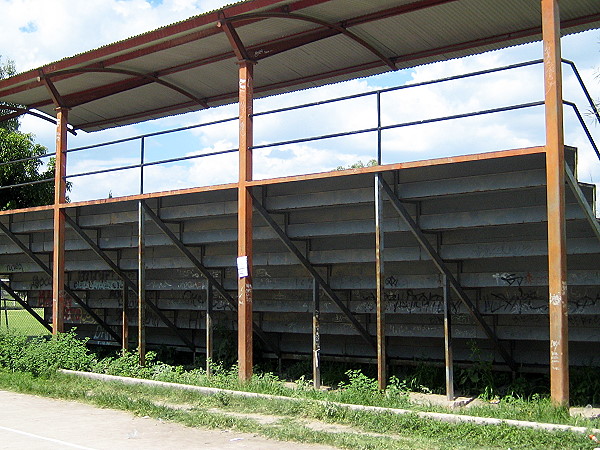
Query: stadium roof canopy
(191, 65)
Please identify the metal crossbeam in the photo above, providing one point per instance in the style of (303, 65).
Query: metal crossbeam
(130, 284)
(25, 305)
(308, 266)
(441, 266)
(585, 206)
(205, 272)
(67, 289)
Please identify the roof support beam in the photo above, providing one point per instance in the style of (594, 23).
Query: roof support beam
(441, 266)
(126, 280)
(42, 265)
(234, 40)
(283, 237)
(212, 281)
(555, 194)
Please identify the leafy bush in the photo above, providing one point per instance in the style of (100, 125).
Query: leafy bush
(42, 356)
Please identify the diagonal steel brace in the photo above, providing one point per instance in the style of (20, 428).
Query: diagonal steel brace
(205, 272)
(585, 206)
(130, 284)
(308, 266)
(441, 266)
(68, 290)
(25, 305)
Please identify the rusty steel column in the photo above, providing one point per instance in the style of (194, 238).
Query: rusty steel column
(380, 282)
(246, 81)
(316, 332)
(555, 175)
(448, 340)
(209, 327)
(141, 286)
(60, 195)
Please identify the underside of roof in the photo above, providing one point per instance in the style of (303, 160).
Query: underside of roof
(191, 65)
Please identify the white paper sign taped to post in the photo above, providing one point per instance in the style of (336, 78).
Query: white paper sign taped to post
(242, 266)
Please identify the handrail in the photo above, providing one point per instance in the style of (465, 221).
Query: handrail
(379, 128)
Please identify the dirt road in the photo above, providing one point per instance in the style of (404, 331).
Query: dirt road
(29, 422)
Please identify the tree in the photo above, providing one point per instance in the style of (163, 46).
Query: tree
(18, 146)
(8, 69)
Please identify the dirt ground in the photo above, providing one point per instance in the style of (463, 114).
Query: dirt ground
(29, 422)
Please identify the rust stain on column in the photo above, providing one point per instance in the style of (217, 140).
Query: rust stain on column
(60, 192)
(245, 220)
(555, 173)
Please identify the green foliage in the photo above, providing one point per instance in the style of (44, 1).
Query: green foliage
(8, 69)
(585, 386)
(358, 165)
(16, 146)
(41, 356)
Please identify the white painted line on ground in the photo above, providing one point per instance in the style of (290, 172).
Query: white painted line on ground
(36, 436)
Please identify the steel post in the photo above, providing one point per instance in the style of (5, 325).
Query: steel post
(209, 328)
(60, 195)
(125, 318)
(380, 282)
(316, 335)
(555, 174)
(246, 81)
(141, 286)
(448, 340)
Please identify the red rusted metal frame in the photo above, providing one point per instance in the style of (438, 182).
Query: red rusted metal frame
(75, 101)
(55, 97)
(60, 193)
(20, 111)
(141, 285)
(246, 84)
(234, 40)
(316, 335)
(380, 284)
(334, 26)
(555, 174)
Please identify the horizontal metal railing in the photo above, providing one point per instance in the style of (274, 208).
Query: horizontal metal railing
(375, 129)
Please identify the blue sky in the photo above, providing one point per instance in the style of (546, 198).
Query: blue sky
(36, 32)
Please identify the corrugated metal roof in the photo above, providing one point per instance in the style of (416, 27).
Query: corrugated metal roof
(297, 43)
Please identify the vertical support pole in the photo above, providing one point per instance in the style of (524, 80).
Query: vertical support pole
(60, 195)
(209, 327)
(555, 176)
(246, 84)
(141, 286)
(380, 282)
(316, 332)
(125, 316)
(142, 151)
(448, 341)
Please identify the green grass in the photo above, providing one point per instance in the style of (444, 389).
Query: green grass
(408, 431)
(20, 321)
